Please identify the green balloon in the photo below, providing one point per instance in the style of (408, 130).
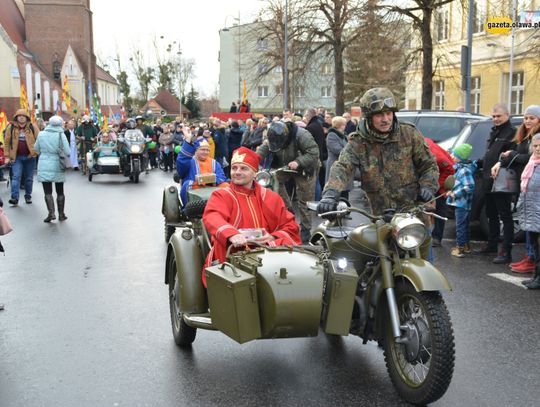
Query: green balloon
(177, 149)
(152, 145)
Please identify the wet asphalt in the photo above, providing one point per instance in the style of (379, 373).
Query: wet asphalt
(87, 322)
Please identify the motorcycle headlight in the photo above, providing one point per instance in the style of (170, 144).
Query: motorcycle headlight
(409, 233)
(264, 179)
(136, 149)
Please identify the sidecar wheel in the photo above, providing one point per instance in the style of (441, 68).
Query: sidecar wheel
(183, 334)
(422, 369)
(169, 231)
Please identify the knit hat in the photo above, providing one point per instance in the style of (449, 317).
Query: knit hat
(463, 151)
(246, 156)
(56, 121)
(533, 110)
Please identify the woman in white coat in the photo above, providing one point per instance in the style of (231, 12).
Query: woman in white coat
(48, 142)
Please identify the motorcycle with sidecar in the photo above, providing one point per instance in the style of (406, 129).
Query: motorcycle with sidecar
(368, 280)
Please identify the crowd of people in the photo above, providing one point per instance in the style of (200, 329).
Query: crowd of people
(324, 153)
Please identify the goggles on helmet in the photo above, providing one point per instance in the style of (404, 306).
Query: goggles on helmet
(379, 105)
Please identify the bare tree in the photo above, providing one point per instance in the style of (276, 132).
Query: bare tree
(144, 73)
(421, 15)
(336, 24)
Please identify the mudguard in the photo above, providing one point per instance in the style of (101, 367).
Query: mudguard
(184, 246)
(422, 275)
(170, 207)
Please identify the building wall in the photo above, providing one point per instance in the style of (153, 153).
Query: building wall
(9, 71)
(490, 60)
(76, 77)
(239, 64)
(108, 92)
(49, 42)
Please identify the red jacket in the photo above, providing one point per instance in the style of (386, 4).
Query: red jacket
(444, 162)
(235, 207)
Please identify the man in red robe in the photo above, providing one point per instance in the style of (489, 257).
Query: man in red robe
(246, 205)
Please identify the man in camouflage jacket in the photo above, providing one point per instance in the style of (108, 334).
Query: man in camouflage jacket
(395, 163)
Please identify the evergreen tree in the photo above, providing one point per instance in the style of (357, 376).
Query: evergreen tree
(193, 103)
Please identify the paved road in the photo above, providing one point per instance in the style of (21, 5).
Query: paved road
(87, 324)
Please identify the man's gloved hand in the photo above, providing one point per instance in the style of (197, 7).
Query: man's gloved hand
(425, 194)
(329, 201)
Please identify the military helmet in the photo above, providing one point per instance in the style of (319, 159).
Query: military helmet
(277, 135)
(377, 100)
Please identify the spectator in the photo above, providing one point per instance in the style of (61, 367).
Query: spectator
(351, 126)
(220, 140)
(517, 159)
(446, 168)
(461, 197)
(235, 139)
(335, 141)
(529, 206)
(166, 147)
(72, 140)
(20, 137)
(316, 130)
(49, 169)
(498, 205)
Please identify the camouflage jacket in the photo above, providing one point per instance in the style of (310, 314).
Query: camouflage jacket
(392, 170)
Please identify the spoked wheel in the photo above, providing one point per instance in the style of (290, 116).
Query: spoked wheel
(183, 334)
(420, 367)
(169, 231)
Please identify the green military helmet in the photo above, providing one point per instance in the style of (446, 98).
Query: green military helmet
(377, 100)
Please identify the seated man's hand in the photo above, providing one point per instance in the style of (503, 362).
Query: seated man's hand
(425, 194)
(293, 165)
(267, 237)
(238, 240)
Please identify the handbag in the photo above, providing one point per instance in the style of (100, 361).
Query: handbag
(507, 180)
(5, 226)
(65, 161)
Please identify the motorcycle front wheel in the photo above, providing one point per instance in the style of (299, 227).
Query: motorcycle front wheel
(420, 367)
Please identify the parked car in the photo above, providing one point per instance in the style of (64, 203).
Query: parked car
(438, 125)
(476, 133)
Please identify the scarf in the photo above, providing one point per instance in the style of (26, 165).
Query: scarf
(528, 172)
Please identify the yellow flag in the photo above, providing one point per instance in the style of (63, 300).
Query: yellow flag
(24, 98)
(3, 125)
(244, 92)
(65, 93)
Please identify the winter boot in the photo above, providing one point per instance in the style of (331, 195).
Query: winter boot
(61, 201)
(458, 251)
(305, 235)
(525, 267)
(49, 201)
(503, 257)
(535, 283)
(518, 263)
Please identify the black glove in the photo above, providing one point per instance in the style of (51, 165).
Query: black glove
(425, 194)
(329, 201)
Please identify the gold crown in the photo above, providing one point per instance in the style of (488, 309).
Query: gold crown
(204, 143)
(237, 158)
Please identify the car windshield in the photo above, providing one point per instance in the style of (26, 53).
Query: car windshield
(439, 128)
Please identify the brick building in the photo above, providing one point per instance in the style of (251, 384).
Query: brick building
(41, 43)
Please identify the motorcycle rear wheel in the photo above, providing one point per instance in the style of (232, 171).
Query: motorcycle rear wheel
(421, 371)
(183, 334)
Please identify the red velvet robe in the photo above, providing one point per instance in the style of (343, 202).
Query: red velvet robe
(236, 207)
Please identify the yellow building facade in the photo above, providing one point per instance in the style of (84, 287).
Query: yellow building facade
(491, 54)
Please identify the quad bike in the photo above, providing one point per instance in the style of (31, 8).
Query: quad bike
(369, 281)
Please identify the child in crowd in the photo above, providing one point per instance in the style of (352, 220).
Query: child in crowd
(461, 197)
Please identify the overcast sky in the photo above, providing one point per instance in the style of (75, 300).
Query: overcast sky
(194, 23)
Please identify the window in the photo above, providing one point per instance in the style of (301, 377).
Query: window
(442, 23)
(262, 68)
(326, 69)
(278, 69)
(479, 16)
(279, 90)
(262, 91)
(262, 44)
(517, 88)
(475, 94)
(326, 91)
(299, 91)
(438, 87)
